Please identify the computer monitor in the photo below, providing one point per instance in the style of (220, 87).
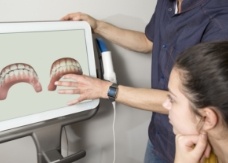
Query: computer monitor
(32, 56)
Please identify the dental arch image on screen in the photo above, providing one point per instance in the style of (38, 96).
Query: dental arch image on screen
(31, 61)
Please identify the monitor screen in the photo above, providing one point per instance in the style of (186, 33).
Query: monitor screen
(33, 56)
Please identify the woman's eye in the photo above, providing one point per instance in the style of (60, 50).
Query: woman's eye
(170, 99)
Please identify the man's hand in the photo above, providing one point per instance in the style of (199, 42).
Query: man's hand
(87, 87)
(78, 16)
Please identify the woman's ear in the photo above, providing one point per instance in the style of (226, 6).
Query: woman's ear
(210, 118)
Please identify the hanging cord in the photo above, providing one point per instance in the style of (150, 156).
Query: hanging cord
(113, 130)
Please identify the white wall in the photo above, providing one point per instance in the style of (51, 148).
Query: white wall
(132, 69)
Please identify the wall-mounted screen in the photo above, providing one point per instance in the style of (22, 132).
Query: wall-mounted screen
(33, 55)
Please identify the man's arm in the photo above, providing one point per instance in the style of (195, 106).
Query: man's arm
(142, 98)
(93, 88)
(129, 39)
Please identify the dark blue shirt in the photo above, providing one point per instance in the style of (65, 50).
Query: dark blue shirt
(199, 21)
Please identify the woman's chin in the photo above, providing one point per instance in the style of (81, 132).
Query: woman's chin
(174, 131)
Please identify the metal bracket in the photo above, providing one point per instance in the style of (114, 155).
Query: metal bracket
(54, 156)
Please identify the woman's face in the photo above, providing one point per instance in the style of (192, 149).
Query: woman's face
(181, 116)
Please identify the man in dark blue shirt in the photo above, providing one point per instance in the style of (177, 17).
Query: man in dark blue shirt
(174, 26)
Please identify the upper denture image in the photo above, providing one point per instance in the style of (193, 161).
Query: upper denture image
(17, 73)
(62, 67)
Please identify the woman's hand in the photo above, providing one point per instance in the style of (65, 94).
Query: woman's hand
(191, 148)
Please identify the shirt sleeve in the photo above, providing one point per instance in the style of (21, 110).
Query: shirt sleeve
(149, 30)
(154, 21)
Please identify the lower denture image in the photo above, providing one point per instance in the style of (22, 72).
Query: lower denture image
(62, 67)
(17, 73)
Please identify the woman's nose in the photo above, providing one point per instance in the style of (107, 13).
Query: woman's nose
(167, 104)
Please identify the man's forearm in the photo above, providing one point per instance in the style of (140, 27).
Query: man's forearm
(142, 98)
(129, 39)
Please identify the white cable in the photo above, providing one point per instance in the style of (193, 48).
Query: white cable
(110, 75)
(113, 130)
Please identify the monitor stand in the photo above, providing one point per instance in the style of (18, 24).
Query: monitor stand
(48, 144)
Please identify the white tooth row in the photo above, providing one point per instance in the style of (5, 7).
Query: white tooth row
(15, 68)
(65, 69)
(66, 63)
(17, 71)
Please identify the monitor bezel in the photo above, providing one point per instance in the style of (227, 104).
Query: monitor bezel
(15, 27)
